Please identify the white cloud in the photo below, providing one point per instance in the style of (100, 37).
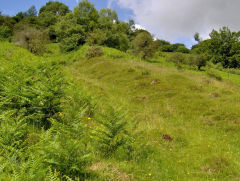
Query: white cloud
(139, 27)
(175, 19)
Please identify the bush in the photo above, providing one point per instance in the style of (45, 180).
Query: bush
(32, 39)
(219, 66)
(112, 133)
(63, 148)
(143, 45)
(213, 73)
(223, 46)
(94, 51)
(167, 48)
(196, 60)
(114, 53)
(5, 32)
(70, 43)
(69, 33)
(232, 71)
(33, 91)
(97, 37)
(42, 136)
(124, 43)
(117, 40)
(177, 58)
(183, 49)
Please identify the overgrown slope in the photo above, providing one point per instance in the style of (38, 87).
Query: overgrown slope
(138, 120)
(190, 121)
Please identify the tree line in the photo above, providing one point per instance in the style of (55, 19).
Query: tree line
(223, 47)
(85, 24)
(55, 22)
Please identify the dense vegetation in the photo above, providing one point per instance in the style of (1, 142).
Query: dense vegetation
(85, 24)
(82, 25)
(46, 131)
(85, 96)
(222, 47)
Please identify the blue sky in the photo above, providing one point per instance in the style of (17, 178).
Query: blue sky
(12, 7)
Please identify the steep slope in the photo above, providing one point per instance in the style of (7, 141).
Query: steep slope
(191, 121)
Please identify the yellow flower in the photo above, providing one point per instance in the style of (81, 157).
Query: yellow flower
(89, 118)
(149, 174)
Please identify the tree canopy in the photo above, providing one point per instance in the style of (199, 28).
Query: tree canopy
(143, 45)
(222, 47)
(54, 7)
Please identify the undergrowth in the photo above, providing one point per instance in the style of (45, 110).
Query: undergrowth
(45, 120)
(60, 117)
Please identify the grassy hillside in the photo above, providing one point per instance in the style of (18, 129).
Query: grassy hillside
(185, 124)
(190, 121)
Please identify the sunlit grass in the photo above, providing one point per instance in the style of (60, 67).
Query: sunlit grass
(189, 122)
(199, 114)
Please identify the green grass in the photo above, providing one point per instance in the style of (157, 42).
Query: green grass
(234, 78)
(189, 122)
(200, 114)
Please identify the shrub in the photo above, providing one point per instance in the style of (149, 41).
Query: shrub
(223, 46)
(112, 133)
(124, 43)
(5, 32)
(167, 48)
(114, 53)
(63, 148)
(210, 65)
(69, 33)
(94, 51)
(117, 40)
(143, 45)
(159, 43)
(219, 66)
(33, 91)
(56, 8)
(183, 49)
(177, 45)
(33, 97)
(213, 73)
(196, 60)
(32, 39)
(232, 71)
(177, 58)
(70, 43)
(12, 133)
(97, 37)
